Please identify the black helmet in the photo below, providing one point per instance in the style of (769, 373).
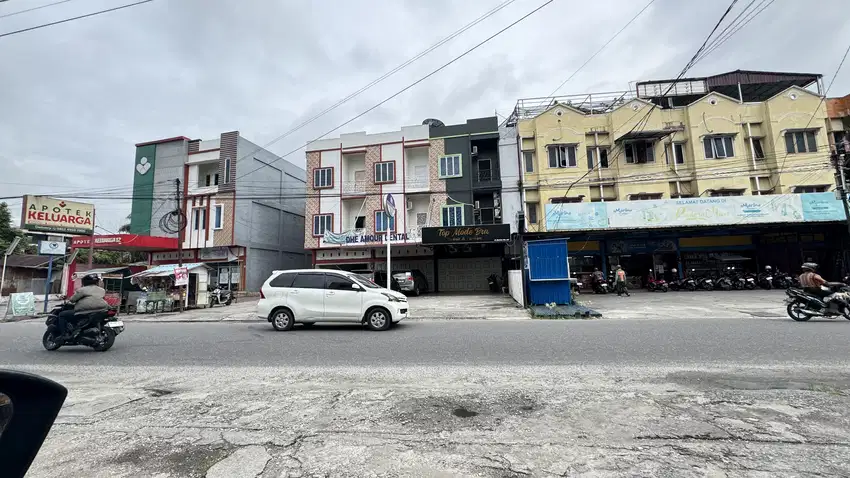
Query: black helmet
(810, 266)
(90, 279)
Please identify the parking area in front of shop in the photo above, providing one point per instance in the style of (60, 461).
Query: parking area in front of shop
(743, 304)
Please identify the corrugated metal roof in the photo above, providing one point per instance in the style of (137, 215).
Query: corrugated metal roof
(29, 261)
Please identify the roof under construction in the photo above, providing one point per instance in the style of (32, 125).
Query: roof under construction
(750, 86)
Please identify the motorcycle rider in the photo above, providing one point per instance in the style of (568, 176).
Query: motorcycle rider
(812, 282)
(87, 299)
(598, 278)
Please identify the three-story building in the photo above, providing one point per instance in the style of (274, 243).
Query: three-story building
(447, 184)
(243, 205)
(649, 179)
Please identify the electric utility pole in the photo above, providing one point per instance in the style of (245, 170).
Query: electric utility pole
(839, 161)
(180, 224)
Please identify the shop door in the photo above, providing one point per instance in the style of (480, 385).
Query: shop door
(467, 275)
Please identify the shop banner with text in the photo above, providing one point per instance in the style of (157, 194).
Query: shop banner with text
(708, 211)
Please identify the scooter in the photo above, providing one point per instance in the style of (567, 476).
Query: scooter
(219, 296)
(656, 285)
(95, 329)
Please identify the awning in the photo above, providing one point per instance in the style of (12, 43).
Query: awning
(100, 272)
(166, 270)
(644, 135)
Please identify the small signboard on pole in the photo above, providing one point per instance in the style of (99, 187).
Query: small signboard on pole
(22, 305)
(181, 276)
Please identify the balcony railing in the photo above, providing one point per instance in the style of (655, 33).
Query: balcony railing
(354, 187)
(487, 175)
(416, 182)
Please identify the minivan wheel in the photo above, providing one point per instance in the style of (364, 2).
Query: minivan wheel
(416, 291)
(282, 320)
(378, 319)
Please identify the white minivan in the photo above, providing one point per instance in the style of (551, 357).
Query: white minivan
(307, 296)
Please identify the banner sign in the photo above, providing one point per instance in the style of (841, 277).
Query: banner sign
(46, 214)
(22, 305)
(466, 234)
(708, 211)
(359, 239)
(181, 276)
(52, 248)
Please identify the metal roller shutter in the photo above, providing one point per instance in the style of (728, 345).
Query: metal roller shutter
(467, 275)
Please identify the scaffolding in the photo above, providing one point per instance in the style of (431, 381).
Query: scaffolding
(590, 104)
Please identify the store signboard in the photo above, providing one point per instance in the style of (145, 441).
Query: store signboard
(181, 276)
(709, 211)
(46, 214)
(466, 234)
(22, 304)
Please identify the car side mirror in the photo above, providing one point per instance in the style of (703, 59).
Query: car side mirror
(356, 287)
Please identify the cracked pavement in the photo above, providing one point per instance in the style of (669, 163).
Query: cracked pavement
(488, 421)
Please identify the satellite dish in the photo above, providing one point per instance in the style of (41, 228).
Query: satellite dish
(433, 122)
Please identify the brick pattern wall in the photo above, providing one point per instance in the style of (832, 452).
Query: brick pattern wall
(223, 237)
(194, 145)
(373, 191)
(228, 150)
(437, 149)
(310, 242)
(438, 200)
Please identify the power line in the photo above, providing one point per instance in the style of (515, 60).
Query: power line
(34, 8)
(744, 22)
(45, 25)
(602, 47)
(420, 80)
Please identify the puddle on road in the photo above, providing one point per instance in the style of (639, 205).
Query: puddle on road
(464, 413)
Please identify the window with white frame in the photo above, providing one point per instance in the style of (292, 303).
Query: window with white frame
(594, 162)
(199, 218)
(562, 156)
(385, 172)
(218, 216)
(719, 147)
(323, 178)
(384, 222)
(212, 180)
(676, 153)
(639, 152)
(322, 223)
(452, 216)
(801, 141)
(451, 166)
(528, 160)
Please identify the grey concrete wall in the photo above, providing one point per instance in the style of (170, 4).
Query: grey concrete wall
(170, 159)
(509, 168)
(270, 206)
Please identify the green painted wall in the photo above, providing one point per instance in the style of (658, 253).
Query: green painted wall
(143, 174)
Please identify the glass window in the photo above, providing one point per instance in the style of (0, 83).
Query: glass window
(562, 156)
(218, 217)
(450, 166)
(719, 147)
(309, 280)
(528, 159)
(639, 152)
(532, 213)
(679, 153)
(323, 178)
(452, 216)
(226, 170)
(336, 282)
(801, 142)
(758, 152)
(365, 282)
(384, 222)
(385, 172)
(322, 223)
(283, 280)
(592, 162)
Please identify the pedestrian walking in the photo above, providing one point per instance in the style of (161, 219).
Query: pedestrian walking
(620, 282)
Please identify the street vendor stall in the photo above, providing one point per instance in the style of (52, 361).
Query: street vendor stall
(160, 292)
(116, 282)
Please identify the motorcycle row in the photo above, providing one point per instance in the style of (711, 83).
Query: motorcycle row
(731, 279)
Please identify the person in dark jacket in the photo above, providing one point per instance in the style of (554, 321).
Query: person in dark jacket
(88, 298)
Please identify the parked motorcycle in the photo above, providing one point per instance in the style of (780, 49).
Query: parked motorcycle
(96, 329)
(219, 296)
(493, 282)
(601, 287)
(765, 280)
(723, 283)
(803, 306)
(654, 284)
(750, 279)
(705, 282)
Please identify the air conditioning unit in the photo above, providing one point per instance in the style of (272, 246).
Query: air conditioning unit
(477, 205)
(474, 150)
(409, 204)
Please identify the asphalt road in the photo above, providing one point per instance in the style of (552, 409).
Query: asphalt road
(459, 342)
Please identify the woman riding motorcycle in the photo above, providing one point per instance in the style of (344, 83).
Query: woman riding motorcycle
(87, 299)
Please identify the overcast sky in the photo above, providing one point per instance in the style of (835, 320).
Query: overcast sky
(76, 97)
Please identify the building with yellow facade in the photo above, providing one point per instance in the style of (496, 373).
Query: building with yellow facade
(672, 174)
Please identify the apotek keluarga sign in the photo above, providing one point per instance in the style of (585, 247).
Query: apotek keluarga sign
(46, 214)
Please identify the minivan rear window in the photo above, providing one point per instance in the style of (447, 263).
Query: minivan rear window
(283, 280)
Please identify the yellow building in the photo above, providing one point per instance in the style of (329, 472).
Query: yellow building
(685, 149)
(738, 133)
